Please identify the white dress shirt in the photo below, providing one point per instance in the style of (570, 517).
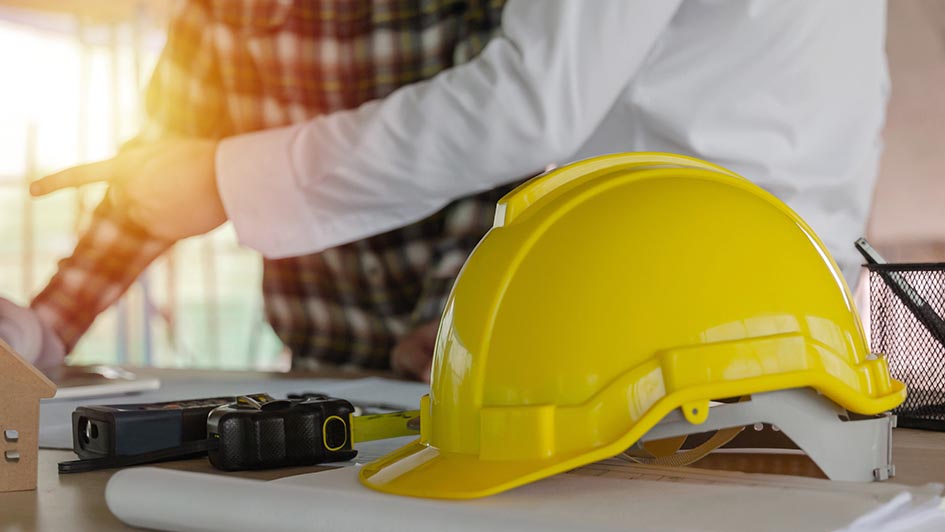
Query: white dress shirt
(789, 93)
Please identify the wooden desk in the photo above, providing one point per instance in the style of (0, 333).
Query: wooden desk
(77, 502)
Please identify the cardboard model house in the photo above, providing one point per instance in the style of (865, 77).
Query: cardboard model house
(21, 388)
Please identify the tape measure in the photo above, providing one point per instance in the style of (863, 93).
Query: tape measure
(244, 432)
(259, 432)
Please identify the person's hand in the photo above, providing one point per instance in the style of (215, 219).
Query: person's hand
(24, 331)
(167, 187)
(413, 354)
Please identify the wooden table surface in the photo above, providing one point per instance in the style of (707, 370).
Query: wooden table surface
(76, 502)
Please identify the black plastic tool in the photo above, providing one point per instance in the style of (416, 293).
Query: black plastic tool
(245, 432)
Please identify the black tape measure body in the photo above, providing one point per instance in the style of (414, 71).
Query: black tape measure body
(280, 433)
(244, 432)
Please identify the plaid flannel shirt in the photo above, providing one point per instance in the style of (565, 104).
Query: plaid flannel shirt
(235, 66)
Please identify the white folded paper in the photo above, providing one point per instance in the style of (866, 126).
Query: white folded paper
(905, 513)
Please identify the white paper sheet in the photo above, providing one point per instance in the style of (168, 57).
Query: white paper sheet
(101, 393)
(905, 513)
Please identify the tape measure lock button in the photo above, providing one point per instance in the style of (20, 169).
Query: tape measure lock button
(334, 433)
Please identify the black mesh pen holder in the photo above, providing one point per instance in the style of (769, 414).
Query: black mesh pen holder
(907, 308)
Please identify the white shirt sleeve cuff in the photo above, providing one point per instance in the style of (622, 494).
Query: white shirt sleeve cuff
(257, 186)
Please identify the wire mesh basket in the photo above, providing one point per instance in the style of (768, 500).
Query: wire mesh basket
(907, 306)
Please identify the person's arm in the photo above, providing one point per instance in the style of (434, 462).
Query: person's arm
(183, 99)
(533, 97)
(111, 253)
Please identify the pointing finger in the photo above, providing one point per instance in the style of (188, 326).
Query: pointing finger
(77, 176)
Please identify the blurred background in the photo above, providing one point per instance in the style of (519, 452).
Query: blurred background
(72, 79)
(73, 75)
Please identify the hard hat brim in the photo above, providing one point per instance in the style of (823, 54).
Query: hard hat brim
(421, 470)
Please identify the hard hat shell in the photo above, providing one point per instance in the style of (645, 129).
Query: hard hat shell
(610, 292)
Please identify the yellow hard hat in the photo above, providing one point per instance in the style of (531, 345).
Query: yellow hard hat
(609, 293)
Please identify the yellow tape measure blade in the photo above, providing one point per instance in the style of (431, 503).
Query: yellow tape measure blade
(382, 426)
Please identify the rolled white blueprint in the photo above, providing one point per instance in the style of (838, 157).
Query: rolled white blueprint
(335, 500)
(164, 499)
